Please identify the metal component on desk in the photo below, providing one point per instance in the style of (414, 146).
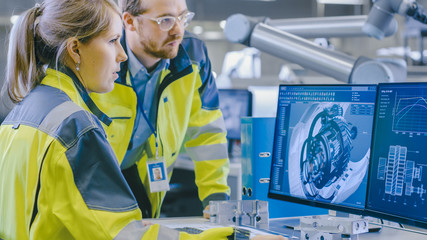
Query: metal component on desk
(332, 228)
(238, 213)
(252, 213)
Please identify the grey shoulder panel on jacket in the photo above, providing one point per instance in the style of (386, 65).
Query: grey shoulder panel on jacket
(50, 110)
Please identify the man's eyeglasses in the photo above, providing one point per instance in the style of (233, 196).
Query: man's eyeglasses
(166, 23)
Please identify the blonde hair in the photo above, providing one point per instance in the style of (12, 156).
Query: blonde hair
(40, 35)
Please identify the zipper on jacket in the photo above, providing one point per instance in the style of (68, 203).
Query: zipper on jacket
(35, 208)
(170, 78)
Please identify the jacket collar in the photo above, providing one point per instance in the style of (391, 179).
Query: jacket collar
(181, 61)
(65, 80)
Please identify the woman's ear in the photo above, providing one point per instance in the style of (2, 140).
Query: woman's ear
(73, 45)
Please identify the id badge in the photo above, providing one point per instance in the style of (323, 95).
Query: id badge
(157, 175)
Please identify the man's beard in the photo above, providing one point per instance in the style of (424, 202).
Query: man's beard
(164, 52)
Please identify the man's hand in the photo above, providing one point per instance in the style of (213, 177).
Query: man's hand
(146, 223)
(206, 212)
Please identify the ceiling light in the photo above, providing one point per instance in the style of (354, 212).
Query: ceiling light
(222, 24)
(198, 30)
(14, 18)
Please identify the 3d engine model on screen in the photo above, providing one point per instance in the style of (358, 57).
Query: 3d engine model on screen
(325, 155)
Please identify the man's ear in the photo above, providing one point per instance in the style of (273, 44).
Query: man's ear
(129, 21)
(73, 45)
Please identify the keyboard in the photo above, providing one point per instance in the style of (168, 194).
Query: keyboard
(238, 233)
(190, 230)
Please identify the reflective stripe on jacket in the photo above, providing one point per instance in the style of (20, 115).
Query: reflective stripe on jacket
(188, 115)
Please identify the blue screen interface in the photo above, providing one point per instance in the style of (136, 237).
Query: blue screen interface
(398, 176)
(322, 143)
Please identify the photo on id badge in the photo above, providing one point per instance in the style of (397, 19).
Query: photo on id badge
(156, 172)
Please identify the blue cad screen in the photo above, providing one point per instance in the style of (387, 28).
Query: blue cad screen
(398, 177)
(322, 145)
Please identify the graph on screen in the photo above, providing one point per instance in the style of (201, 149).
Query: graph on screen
(397, 187)
(410, 113)
(401, 176)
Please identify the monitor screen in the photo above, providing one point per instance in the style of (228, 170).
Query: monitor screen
(322, 145)
(234, 104)
(398, 173)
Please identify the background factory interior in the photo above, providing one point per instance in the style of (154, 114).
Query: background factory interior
(406, 43)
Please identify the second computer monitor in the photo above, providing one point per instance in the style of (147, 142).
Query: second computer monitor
(398, 177)
(322, 145)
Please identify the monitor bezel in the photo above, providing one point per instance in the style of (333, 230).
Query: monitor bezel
(373, 212)
(308, 202)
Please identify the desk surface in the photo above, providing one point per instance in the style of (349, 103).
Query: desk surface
(387, 232)
(195, 222)
(276, 226)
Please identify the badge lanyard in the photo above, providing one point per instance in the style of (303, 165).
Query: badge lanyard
(156, 168)
(141, 107)
(152, 130)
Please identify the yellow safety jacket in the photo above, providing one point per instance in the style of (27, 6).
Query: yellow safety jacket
(59, 177)
(188, 115)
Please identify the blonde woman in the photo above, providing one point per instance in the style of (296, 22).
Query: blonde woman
(59, 178)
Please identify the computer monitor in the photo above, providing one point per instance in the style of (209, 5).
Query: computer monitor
(234, 104)
(398, 172)
(322, 145)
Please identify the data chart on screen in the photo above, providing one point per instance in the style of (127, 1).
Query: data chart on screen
(398, 175)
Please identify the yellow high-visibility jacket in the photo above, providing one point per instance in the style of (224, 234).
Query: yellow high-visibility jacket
(188, 115)
(59, 177)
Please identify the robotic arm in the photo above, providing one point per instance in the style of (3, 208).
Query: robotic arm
(381, 15)
(326, 27)
(276, 38)
(255, 32)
